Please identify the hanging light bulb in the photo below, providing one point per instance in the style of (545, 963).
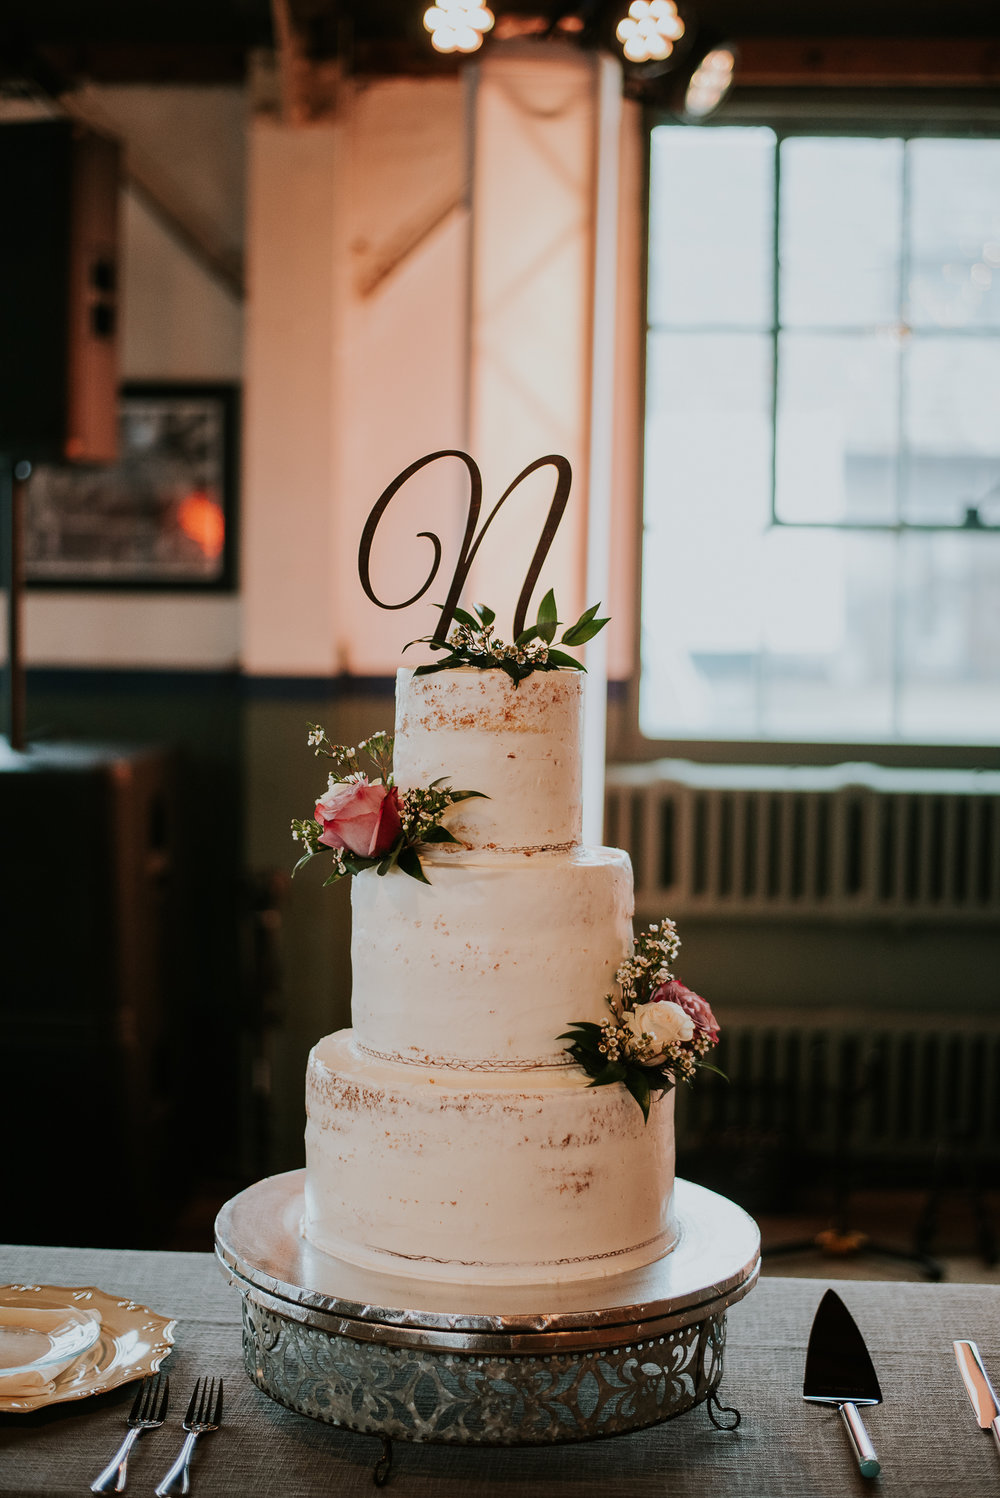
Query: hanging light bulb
(649, 30)
(668, 22)
(457, 25)
(710, 82)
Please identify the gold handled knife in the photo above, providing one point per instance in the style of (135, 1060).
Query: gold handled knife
(978, 1387)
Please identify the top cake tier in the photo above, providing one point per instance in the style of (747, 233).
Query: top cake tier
(520, 746)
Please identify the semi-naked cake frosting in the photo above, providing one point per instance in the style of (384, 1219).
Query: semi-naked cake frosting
(449, 1135)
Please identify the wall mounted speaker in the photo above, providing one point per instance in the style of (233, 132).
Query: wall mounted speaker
(58, 292)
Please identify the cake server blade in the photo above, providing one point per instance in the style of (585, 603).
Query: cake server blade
(978, 1387)
(839, 1371)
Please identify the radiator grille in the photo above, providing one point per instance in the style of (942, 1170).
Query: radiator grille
(897, 1089)
(853, 841)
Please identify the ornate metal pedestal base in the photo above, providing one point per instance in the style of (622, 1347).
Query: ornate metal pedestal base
(419, 1361)
(420, 1394)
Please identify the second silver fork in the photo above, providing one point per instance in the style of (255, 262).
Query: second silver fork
(204, 1413)
(149, 1410)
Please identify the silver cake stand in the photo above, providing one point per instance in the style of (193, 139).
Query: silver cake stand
(497, 1366)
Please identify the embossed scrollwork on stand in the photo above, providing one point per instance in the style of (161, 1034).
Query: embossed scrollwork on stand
(428, 1394)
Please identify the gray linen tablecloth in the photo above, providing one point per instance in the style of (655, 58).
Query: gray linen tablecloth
(924, 1432)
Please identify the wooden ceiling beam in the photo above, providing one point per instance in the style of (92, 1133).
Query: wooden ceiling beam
(868, 62)
(147, 62)
(308, 86)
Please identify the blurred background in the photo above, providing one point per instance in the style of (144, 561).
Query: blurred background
(258, 258)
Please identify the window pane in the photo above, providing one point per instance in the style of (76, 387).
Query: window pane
(840, 232)
(826, 672)
(837, 428)
(955, 233)
(707, 501)
(886, 404)
(711, 227)
(950, 617)
(952, 430)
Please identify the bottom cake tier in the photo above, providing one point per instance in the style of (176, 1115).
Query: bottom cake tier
(484, 1178)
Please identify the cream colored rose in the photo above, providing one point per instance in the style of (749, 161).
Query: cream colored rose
(666, 1023)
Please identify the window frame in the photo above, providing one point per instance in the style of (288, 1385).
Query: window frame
(882, 113)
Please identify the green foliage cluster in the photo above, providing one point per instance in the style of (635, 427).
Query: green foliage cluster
(473, 642)
(586, 1038)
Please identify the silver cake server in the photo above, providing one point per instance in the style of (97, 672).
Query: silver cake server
(839, 1371)
(978, 1387)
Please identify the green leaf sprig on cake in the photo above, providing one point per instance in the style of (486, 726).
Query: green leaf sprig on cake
(364, 822)
(473, 641)
(657, 1031)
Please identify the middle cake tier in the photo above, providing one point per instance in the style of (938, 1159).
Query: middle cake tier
(489, 964)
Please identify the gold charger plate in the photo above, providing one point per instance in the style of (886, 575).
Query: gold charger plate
(133, 1341)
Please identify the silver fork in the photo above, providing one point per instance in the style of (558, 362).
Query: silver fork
(204, 1413)
(149, 1410)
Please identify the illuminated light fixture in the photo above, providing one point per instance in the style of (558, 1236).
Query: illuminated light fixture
(648, 32)
(709, 83)
(457, 25)
(201, 518)
(510, 27)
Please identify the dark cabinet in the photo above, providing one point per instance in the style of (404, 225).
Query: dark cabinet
(91, 960)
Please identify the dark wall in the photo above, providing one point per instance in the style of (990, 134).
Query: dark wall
(231, 971)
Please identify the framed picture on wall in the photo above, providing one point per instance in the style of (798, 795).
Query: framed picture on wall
(162, 516)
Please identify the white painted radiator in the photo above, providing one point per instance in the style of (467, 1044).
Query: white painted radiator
(847, 841)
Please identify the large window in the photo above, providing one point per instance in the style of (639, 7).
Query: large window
(821, 556)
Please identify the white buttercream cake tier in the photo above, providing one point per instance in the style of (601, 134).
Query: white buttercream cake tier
(491, 962)
(519, 746)
(481, 1179)
(449, 1135)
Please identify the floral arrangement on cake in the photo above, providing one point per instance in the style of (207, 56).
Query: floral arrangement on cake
(657, 1031)
(472, 641)
(369, 823)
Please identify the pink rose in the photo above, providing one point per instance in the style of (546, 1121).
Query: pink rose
(360, 817)
(693, 1005)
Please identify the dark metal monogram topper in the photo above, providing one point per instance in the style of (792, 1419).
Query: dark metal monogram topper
(471, 541)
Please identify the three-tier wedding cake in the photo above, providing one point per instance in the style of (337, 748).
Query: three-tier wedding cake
(450, 1135)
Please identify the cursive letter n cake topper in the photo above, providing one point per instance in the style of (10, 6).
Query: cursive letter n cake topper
(471, 540)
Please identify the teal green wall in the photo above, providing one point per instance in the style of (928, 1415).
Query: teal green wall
(283, 780)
